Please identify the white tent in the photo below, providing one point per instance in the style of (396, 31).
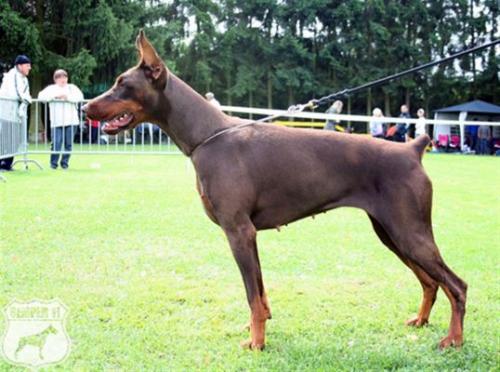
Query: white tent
(466, 113)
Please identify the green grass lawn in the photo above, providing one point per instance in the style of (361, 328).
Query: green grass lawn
(151, 284)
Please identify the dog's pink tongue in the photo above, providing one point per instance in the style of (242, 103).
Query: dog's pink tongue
(114, 125)
(109, 128)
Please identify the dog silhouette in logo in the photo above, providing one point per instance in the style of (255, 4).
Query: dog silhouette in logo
(37, 340)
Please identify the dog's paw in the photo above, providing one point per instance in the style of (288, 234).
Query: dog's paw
(451, 341)
(249, 345)
(416, 322)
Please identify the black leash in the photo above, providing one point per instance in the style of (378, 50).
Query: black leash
(343, 93)
(331, 97)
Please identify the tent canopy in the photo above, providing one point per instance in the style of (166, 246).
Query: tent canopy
(477, 107)
(465, 113)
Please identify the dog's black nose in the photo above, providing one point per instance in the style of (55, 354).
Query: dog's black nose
(84, 108)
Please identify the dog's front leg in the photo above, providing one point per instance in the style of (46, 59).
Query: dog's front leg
(242, 238)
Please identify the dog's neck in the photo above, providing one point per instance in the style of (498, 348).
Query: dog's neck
(187, 117)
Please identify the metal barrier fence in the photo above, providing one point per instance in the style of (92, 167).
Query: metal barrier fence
(12, 129)
(149, 139)
(13, 132)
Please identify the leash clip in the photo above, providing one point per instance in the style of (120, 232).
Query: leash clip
(300, 108)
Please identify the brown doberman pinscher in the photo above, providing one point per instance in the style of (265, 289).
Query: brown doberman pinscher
(254, 176)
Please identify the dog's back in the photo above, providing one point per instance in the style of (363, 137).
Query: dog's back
(323, 170)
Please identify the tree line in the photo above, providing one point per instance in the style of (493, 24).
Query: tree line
(267, 53)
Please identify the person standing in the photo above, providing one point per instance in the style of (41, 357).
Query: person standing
(335, 108)
(484, 136)
(474, 143)
(15, 85)
(94, 129)
(402, 128)
(420, 125)
(377, 123)
(63, 99)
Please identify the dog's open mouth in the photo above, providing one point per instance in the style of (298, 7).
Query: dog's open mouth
(118, 123)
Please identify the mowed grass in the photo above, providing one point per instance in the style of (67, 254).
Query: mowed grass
(151, 284)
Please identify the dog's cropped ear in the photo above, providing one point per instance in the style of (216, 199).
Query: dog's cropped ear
(150, 60)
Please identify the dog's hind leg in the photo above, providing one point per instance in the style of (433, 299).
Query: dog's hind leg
(242, 239)
(425, 256)
(429, 285)
(405, 216)
(456, 290)
(411, 234)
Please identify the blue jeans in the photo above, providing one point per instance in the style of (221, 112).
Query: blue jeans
(61, 136)
(483, 146)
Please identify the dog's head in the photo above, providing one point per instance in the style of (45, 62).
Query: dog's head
(135, 95)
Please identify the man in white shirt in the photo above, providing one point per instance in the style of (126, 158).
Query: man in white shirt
(15, 85)
(63, 101)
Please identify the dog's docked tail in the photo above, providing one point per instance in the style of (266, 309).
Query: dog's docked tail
(419, 144)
